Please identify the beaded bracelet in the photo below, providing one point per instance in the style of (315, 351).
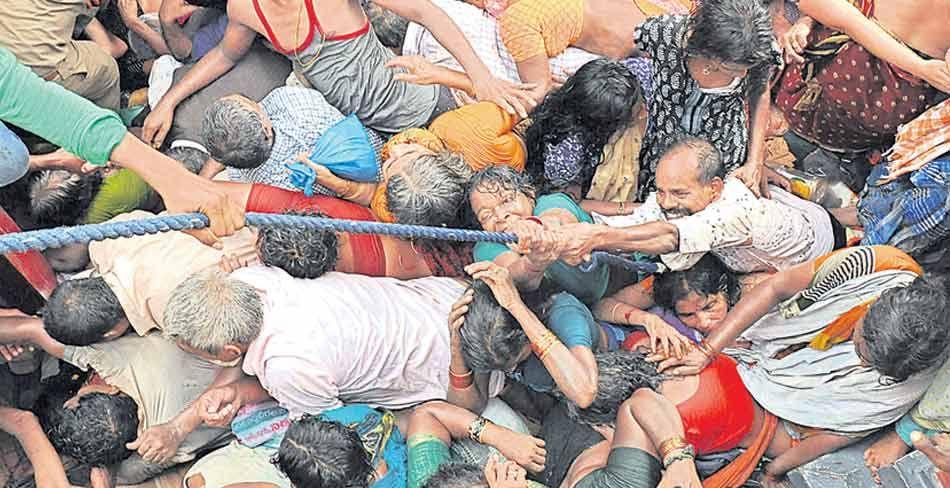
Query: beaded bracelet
(686, 453)
(476, 428)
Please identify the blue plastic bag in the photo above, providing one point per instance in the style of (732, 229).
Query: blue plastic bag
(346, 151)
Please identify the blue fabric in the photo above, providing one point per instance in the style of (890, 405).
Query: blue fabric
(574, 325)
(642, 68)
(368, 422)
(906, 426)
(345, 150)
(14, 158)
(911, 212)
(207, 37)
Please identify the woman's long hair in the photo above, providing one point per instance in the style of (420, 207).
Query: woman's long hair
(593, 104)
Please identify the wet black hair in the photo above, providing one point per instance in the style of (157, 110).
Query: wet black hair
(319, 453)
(905, 330)
(96, 431)
(457, 475)
(80, 311)
(707, 277)
(491, 337)
(619, 374)
(594, 103)
(735, 31)
(300, 251)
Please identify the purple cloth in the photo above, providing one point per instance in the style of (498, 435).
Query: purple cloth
(671, 318)
(207, 37)
(643, 70)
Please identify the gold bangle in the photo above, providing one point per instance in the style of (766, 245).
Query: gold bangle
(670, 445)
(546, 350)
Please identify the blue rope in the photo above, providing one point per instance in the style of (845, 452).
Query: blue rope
(38, 240)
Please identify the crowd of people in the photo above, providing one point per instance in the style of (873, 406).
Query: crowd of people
(730, 261)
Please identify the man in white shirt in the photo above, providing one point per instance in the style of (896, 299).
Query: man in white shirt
(696, 209)
(315, 344)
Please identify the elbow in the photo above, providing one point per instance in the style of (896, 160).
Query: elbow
(585, 395)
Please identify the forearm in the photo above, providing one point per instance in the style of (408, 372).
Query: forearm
(753, 306)
(809, 449)
(211, 67)
(354, 191)
(759, 124)
(575, 380)
(656, 415)
(150, 36)
(471, 397)
(443, 28)
(159, 171)
(652, 238)
(526, 274)
(618, 312)
(178, 43)
(609, 208)
(48, 470)
(841, 15)
(21, 330)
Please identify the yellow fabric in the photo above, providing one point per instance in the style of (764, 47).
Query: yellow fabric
(421, 137)
(661, 7)
(532, 28)
(482, 134)
(616, 177)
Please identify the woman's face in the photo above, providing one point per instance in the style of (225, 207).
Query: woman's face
(703, 312)
(497, 208)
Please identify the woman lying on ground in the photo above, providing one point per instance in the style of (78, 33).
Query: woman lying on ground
(494, 332)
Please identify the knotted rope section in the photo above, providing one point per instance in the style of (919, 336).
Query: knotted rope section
(38, 240)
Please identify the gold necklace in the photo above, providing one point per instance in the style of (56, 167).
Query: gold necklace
(305, 66)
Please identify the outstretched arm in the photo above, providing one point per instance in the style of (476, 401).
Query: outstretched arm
(652, 238)
(486, 86)
(841, 15)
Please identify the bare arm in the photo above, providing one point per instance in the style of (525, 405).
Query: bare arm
(536, 70)
(574, 370)
(809, 449)
(47, 468)
(29, 330)
(178, 43)
(841, 15)
(578, 241)
(473, 397)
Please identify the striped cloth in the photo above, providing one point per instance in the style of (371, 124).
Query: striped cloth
(920, 141)
(911, 212)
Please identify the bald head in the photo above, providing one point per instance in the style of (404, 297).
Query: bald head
(697, 156)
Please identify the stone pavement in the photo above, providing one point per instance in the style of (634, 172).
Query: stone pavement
(846, 469)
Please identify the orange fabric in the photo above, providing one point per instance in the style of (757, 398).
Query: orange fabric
(531, 28)
(421, 137)
(738, 471)
(380, 205)
(481, 133)
(841, 328)
(885, 258)
(722, 411)
(652, 8)
(920, 141)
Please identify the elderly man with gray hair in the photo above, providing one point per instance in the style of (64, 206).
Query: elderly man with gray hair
(697, 209)
(314, 343)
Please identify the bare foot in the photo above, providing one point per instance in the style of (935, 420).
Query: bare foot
(936, 448)
(885, 451)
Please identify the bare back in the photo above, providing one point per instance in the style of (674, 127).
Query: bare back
(921, 24)
(608, 27)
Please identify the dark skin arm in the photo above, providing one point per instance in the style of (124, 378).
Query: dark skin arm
(178, 43)
(580, 240)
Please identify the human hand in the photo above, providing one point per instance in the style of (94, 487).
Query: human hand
(129, 11)
(577, 242)
(514, 98)
(606, 431)
(681, 474)
(418, 70)
(498, 279)
(230, 263)
(665, 340)
(936, 448)
(157, 444)
(692, 363)
(751, 174)
(773, 177)
(88, 390)
(218, 406)
(794, 41)
(527, 451)
(157, 124)
(937, 72)
(457, 316)
(504, 475)
(322, 172)
(197, 194)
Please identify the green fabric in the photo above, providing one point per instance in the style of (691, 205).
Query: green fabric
(426, 454)
(587, 287)
(56, 114)
(121, 192)
(626, 467)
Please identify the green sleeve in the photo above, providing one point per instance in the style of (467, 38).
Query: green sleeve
(56, 114)
(561, 201)
(121, 192)
(571, 321)
(488, 251)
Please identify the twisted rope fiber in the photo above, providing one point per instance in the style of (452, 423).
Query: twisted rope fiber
(38, 240)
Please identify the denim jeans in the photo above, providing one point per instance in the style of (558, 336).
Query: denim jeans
(14, 158)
